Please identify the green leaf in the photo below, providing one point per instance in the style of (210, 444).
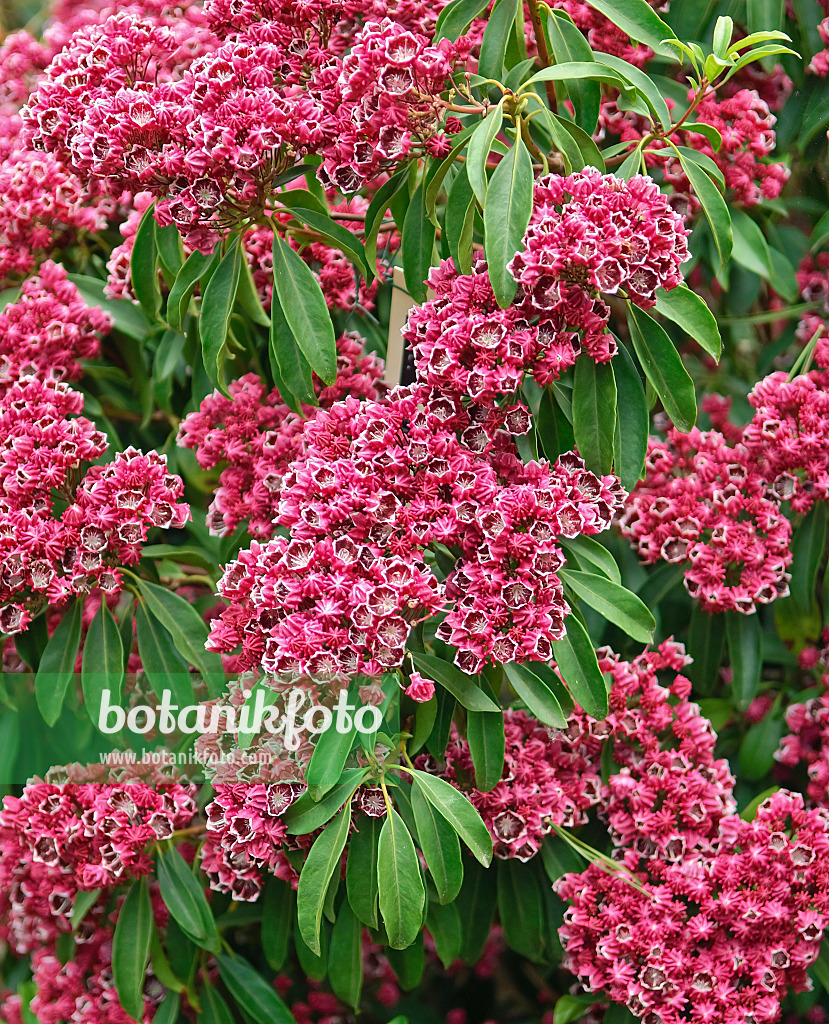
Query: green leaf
(377, 210)
(496, 36)
(476, 904)
(463, 687)
(594, 413)
(458, 811)
(444, 924)
(252, 994)
(441, 848)
(480, 145)
(340, 237)
(292, 374)
(663, 367)
(630, 437)
(328, 759)
(345, 957)
(214, 1010)
(168, 1009)
(127, 318)
(808, 546)
(401, 892)
(553, 428)
(485, 734)
(184, 898)
(578, 70)
(745, 645)
(617, 604)
(457, 16)
(459, 220)
(305, 311)
(570, 1008)
(217, 304)
(750, 248)
(57, 664)
(322, 860)
(306, 815)
(589, 151)
(706, 643)
(758, 746)
(361, 870)
(576, 660)
(131, 948)
(563, 139)
(687, 309)
(437, 177)
(637, 19)
(416, 245)
(144, 266)
(247, 297)
(568, 44)
(509, 203)
(640, 81)
(84, 902)
(408, 965)
(707, 130)
(535, 693)
(278, 908)
(103, 663)
(591, 556)
(194, 269)
(188, 630)
(163, 665)
(521, 909)
(713, 206)
(170, 249)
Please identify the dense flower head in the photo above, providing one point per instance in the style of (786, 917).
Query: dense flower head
(383, 100)
(57, 840)
(707, 936)
(806, 745)
(589, 234)
(707, 504)
(48, 329)
(550, 778)
(746, 126)
(258, 436)
(376, 484)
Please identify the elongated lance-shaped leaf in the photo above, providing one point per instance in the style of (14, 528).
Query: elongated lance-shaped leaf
(480, 145)
(687, 309)
(535, 693)
(216, 307)
(322, 860)
(630, 438)
(458, 811)
(663, 367)
(594, 413)
(57, 665)
(579, 668)
(617, 604)
(509, 204)
(144, 265)
(184, 898)
(131, 948)
(102, 671)
(637, 19)
(713, 206)
(251, 992)
(401, 892)
(441, 848)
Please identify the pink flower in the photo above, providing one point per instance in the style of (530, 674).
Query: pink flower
(420, 689)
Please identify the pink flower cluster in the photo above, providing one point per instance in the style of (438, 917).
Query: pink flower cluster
(48, 329)
(746, 126)
(820, 62)
(58, 840)
(707, 503)
(376, 484)
(550, 778)
(589, 234)
(47, 555)
(258, 437)
(806, 746)
(707, 934)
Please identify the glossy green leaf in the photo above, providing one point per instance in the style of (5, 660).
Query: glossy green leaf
(459, 220)
(214, 1009)
(102, 670)
(594, 413)
(630, 437)
(687, 309)
(361, 869)
(706, 643)
(127, 317)
(591, 556)
(663, 367)
(554, 430)
(446, 928)
(521, 909)
(535, 693)
(339, 237)
(642, 82)
(217, 304)
(322, 860)
(251, 992)
(278, 909)
(567, 43)
(377, 210)
(331, 750)
(144, 266)
(485, 735)
(759, 745)
(745, 654)
(750, 248)
(57, 664)
(458, 811)
(306, 815)
(170, 249)
(401, 892)
(507, 212)
(617, 604)
(713, 206)
(194, 270)
(576, 660)
(131, 948)
(184, 898)
(305, 310)
(416, 245)
(457, 16)
(639, 20)
(480, 145)
(496, 38)
(291, 371)
(441, 848)
(163, 665)
(463, 687)
(345, 957)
